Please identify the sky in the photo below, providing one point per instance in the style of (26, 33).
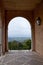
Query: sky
(19, 27)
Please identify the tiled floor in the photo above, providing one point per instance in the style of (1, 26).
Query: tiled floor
(21, 57)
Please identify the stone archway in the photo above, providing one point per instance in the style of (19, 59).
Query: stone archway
(19, 30)
(26, 14)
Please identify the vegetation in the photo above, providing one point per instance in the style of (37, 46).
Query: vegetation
(15, 45)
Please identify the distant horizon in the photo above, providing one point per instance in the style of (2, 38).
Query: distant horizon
(14, 37)
(20, 39)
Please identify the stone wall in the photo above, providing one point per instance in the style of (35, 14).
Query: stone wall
(39, 29)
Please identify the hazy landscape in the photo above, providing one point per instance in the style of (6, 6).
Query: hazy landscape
(19, 39)
(19, 43)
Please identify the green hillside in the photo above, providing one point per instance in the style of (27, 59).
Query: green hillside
(15, 45)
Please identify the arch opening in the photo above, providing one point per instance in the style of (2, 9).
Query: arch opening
(19, 34)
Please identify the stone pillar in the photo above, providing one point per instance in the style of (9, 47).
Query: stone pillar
(33, 38)
(0, 34)
(33, 31)
(6, 39)
(3, 30)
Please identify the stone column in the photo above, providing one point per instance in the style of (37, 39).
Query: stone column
(0, 34)
(3, 30)
(33, 38)
(33, 31)
(6, 39)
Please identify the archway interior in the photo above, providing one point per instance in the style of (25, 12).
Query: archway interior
(19, 34)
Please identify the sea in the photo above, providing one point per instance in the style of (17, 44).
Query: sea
(19, 39)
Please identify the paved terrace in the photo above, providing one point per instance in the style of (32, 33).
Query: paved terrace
(22, 57)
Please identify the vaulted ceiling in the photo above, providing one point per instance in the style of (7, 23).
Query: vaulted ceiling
(20, 4)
